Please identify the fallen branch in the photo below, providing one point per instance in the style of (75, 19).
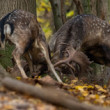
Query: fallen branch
(50, 95)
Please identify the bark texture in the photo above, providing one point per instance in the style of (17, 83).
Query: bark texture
(108, 13)
(7, 6)
(63, 11)
(56, 8)
(93, 7)
(102, 8)
(79, 6)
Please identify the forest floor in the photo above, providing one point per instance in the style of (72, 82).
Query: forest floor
(11, 100)
(87, 93)
(90, 94)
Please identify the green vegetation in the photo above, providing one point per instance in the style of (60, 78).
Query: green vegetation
(6, 56)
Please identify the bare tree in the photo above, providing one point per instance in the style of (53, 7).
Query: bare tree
(108, 13)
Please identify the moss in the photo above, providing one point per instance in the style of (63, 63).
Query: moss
(6, 56)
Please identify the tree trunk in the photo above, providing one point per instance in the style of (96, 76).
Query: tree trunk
(56, 8)
(63, 11)
(86, 6)
(108, 13)
(93, 7)
(102, 8)
(7, 6)
(79, 6)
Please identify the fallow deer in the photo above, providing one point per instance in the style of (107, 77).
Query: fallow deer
(24, 31)
(81, 38)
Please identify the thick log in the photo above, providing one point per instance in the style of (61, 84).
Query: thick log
(48, 94)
